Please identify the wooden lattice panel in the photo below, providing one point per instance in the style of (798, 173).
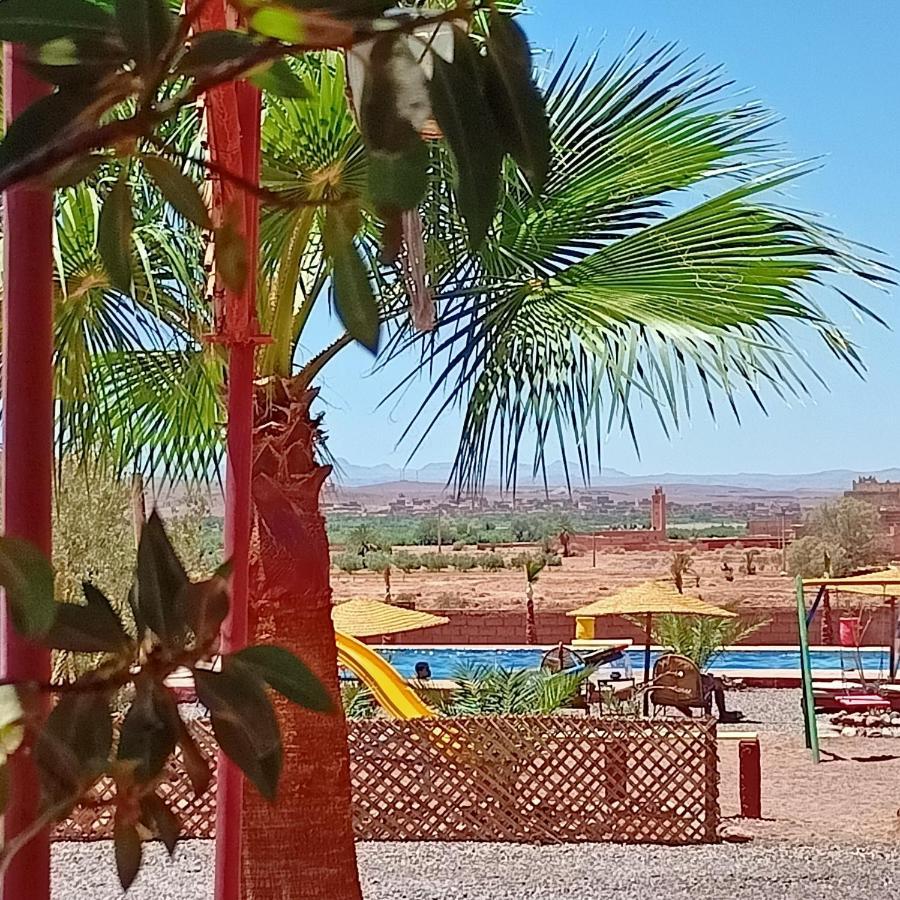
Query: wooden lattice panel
(93, 820)
(518, 779)
(535, 780)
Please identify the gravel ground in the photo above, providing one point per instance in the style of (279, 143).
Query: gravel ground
(88, 871)
(766, 710)
(723, 872)
(507, 872)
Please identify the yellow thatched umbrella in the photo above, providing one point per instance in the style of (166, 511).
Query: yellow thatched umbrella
(884, 583)
(372, 618)
(649, 599)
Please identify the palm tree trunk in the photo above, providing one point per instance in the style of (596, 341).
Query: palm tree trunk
(303, 849)
(530, 623)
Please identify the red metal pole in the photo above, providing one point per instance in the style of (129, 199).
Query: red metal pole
(27, 451)
(230, 796)
(238, 506)
(233, 120)
(750, 779)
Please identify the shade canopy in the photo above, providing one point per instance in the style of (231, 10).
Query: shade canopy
(371, 618)
(884, 583)
(650, 598)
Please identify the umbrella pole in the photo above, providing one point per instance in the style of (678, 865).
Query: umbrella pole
(647, 640)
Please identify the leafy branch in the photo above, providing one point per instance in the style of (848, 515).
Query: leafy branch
(177, 624)
(122, 69)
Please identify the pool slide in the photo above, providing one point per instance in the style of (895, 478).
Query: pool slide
(388, 687)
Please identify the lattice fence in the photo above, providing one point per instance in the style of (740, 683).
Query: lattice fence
(93, 820)
(518, 779)
(535, 780)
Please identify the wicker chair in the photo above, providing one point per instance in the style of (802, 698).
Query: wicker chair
(677, 684)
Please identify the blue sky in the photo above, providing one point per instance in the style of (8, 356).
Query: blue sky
(829, 68)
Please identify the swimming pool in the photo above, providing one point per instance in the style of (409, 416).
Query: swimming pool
(445, 661)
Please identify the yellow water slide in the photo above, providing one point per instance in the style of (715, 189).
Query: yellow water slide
(388, 687)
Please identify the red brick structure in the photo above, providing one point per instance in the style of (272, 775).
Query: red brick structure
(498, 627)
(656, 536)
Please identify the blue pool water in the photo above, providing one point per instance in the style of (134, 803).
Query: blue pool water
(445, 661)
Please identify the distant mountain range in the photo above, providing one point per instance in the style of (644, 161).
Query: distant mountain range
(353, 475)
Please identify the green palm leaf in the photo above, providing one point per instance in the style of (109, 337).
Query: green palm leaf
(590, 299)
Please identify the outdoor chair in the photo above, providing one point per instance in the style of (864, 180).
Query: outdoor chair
(676, 684)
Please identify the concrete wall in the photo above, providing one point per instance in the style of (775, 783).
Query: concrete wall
(508, 627)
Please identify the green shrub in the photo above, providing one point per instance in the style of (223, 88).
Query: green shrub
(459, 545)
(434, 562)
(378, 561)
(348, 562)
(492, 562)
(701, 638)
(484, 690)
(357, 701)
(406, 562)
(521, 560)
(463, 562)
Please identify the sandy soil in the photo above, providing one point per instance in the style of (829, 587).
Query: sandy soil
(576, 582)
(851, 797)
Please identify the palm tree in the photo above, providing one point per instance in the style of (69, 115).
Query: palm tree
(681, 565)
(533, 568)
(656, 258)
(581, 303)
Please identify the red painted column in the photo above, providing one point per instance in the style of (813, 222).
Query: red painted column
(230, 789)
(27, 451)
(238, 514)
(750, 779)
(233, 114)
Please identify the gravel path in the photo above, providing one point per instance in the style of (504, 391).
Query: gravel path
(766, 710)
(755, 871)
(723, 872)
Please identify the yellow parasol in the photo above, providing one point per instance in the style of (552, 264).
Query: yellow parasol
(884, 583)
(372, 618)
(649, 599)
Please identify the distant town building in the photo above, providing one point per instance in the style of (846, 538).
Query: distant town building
(883, 494)
(885, 497)
(658, 511)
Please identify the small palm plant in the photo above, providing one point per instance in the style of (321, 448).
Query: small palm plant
(533, 568)
(682, 564)
(485, 690)
(702, 638)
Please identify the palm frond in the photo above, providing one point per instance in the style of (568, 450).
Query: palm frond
(591, 300)
(165, 410)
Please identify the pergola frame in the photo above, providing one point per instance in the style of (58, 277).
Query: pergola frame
(862, 584)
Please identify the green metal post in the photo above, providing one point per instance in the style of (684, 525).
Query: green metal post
(809, 707)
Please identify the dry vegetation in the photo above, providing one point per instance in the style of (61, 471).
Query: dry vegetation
(576, 582)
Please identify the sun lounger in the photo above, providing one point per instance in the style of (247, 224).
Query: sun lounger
(837, 685)
(891, 693)
(840, 695)
(861, 702)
